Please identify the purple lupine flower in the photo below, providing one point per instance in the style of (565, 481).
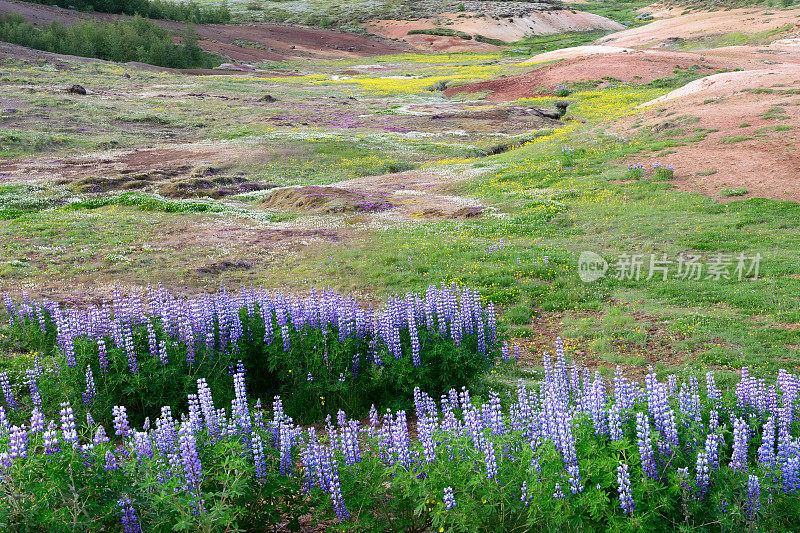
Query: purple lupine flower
(36, 397)
(50, 438)
(575, 485)
(258, 456)
(130, 524)
(100, 436)
(645, 446)
(133, 364)
(102, 355)
(207, 407)
(18, 442)
(162, 352)
(190, 459)
(333, 485)
(239, 408)
(37, 420)
(558, 494)
(165, 434)
(702, 474)
(790, 474)
(69, 431)
(525, 497)
(712, 450)
(111, 462)
(7, 393)
(448, 498)
(739, 455)
(490, 458)
(91, 391)
(624, 489)
(766, 452)
(614, 423)
(121, 425)
(753, 497)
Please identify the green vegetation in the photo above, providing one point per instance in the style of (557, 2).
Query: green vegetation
(539, 44)
(136, 39)
(740, 191)
(444, 32)
(153, 9)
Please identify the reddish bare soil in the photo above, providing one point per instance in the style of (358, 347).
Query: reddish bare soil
(633, 66)
(537, 21)
(271, 42)
(757, 115)
(699, 25)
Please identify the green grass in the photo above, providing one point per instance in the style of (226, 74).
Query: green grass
(546, 207)
(736, 39)
(741, 191)
(538, 44)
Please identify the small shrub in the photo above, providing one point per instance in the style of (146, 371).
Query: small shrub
(663, 174)
(562, 91)
(439, 86)
(519, 315)
(741, 191)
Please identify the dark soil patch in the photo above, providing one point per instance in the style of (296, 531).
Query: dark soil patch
(215, 269)
(326, 200)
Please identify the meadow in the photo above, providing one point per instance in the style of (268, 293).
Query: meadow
(199, 356)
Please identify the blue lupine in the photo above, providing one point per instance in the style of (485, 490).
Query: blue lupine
(702, 473)
(18, 442)
(50, 438)
(69, 432)
(111, 462)
(121, 424)
(525, 497)
(7, 393)
(448, 498)
(130, 523)
(31, 381)
(190, 459)
(645, 446)
(739, 455)
(624, 489)
(753, 497)
(37, 420)
(91, 391)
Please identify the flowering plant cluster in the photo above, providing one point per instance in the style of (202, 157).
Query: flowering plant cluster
(572, 452)
(322, 352)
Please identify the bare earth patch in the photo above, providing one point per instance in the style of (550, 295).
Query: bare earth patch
(755, 146)
(632, 66)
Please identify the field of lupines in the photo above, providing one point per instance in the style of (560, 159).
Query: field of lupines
(571, 452)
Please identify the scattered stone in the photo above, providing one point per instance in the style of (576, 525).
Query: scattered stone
(268, 98)
(77, 89)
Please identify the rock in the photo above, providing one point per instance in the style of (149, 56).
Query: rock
(546, 113)
(77, 89)
(268, 98)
